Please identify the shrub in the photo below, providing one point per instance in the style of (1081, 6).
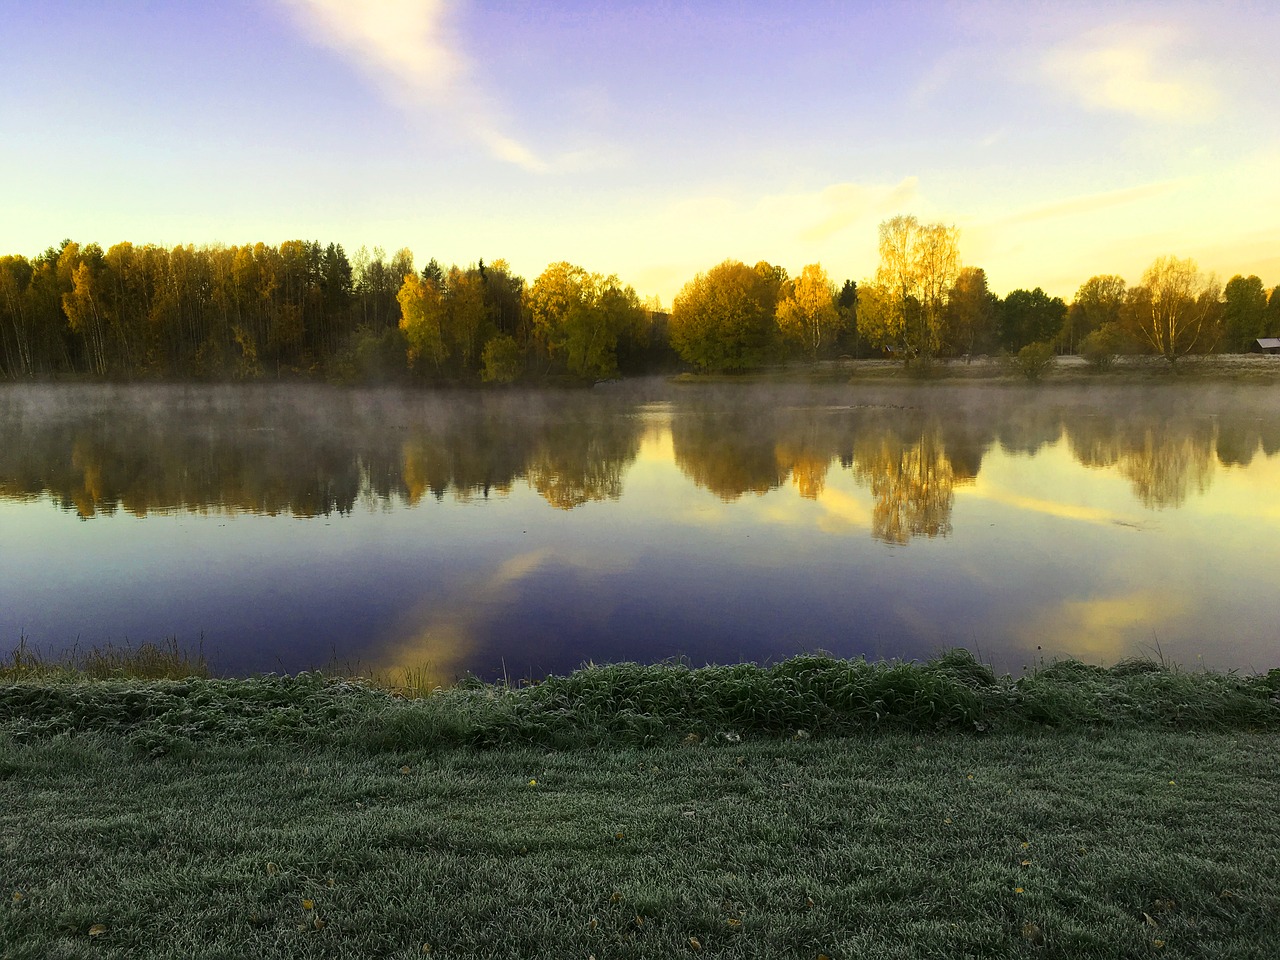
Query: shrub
(503, 362)
(1100, 347)
(1034, 360)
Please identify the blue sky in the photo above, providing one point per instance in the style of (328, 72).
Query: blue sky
(652, 140)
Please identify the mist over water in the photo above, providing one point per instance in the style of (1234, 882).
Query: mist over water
(532, 531)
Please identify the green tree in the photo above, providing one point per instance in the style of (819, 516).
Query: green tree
(1030, 316)
(502, 360)
(724, 319)
(1099, 301)
(807, 312)
(1035, 360)
(971, 314)
(1244, 312)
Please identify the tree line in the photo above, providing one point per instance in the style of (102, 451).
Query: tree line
(303, 309)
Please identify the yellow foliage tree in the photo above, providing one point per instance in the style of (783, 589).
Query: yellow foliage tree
(904, 308)
(807, 312)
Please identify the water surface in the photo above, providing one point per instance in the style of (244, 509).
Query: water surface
(529, 532)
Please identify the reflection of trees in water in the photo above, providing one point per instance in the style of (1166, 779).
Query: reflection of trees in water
(912, 482)
(1164, 458)
(314, 453)
(903, 456)
(311, 451)
(582, 460)
(729, 452)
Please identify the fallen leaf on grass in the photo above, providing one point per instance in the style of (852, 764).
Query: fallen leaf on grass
(1151, 921)
(406, 769)
(272, 869)
(733, 924)
(694, 944)
(308, 904)
(17, 896)
(1018, 890)
(318, 923)
(426, 948)
(97, 930)
(1025, 863)
(533, 783)
(616, 898)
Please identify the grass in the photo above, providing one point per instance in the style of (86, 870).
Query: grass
(632, 704)
(148, 661)
(1215, 368)
(1124, 843)
(818, 807)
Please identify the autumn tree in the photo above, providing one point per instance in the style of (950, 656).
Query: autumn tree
(724, 319)
(82, 303)
(581, 317)
(17, 321)
(903, 309)
(1174, 309)
(423, 319)
(1244, 312)
(807, 312)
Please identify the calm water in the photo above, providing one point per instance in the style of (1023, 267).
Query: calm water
(291, 527)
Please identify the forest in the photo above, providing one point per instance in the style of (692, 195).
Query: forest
(304, 309)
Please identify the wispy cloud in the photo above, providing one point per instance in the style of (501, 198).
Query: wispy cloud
(1132, 69)
(1092, 202)
(408, 47)
(843, 205)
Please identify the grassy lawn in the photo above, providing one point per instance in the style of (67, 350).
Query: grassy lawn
(813, 808)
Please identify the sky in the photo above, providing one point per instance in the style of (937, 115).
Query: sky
(652, 140)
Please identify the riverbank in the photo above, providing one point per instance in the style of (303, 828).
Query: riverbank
(1145, 370)
(817, 808)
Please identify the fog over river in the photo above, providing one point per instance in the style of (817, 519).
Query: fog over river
(287, 527)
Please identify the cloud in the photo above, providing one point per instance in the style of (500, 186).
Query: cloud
(1092, 202)
(1133, 70)
(1053, 508)
(843, 205)
(408, 48)
(1107, 627)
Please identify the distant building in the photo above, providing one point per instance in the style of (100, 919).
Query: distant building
(1265, 345)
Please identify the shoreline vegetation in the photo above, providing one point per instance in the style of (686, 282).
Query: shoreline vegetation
(302, 310)
(163, 700)
(814, 808)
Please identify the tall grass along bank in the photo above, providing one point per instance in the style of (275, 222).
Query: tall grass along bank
(634, 704)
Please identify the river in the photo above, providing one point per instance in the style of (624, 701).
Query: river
(521, 533)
